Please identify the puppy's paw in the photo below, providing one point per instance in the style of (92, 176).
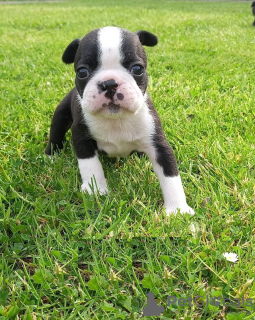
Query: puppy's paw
(100, 188)
(182, 209)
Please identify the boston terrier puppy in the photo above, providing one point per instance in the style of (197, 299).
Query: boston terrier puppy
(110, 111)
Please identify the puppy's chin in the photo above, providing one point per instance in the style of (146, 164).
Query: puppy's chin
(111, 110)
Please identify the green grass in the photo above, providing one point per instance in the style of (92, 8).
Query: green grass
(65, 255)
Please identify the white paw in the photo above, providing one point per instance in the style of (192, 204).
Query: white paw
(47, 156)
(182, 209)
(91, 188)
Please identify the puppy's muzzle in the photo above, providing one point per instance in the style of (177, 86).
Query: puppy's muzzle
(110, 86)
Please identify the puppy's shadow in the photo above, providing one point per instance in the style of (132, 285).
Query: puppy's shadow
(116, 159)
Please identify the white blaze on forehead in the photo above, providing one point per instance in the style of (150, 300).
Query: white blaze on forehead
(110, 43)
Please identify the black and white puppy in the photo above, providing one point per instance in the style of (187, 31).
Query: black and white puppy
(110, 111)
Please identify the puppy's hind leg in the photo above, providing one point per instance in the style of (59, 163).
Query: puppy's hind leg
(61, 122)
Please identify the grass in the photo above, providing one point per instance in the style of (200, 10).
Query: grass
(65, 255)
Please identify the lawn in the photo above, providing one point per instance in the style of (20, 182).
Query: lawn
(67, 255)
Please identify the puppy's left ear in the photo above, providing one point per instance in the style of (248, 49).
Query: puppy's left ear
(146, 38)
(69, 53)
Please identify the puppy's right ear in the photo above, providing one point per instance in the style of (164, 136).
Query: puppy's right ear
(146, 38)
(69, 53)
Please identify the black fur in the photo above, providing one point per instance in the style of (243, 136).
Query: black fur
(165, 155)
(70, 52)
(69, 114)
(61, 122)
(146, 38)
(253, 10)
(132, 58)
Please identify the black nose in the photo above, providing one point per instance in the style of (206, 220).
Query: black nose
(110, 86)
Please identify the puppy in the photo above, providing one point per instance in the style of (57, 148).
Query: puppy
(253, 10)
(110, 111)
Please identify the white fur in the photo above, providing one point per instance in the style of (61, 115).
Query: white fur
(93, 101)
(120, 136)
(110, 42)
(92, 175)
(173, 193)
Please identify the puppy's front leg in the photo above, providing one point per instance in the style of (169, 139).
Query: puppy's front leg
(91, 170)
(92, 174)
(165, 166)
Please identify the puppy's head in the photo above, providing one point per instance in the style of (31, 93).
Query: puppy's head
(110, 65)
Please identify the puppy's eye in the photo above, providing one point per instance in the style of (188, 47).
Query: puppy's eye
(82, 73)
(137, 70)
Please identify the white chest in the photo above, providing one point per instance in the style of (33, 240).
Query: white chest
(121, 136)
(118, 148)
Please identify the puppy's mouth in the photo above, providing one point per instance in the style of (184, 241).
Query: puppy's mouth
(112, 107)
(112, 110)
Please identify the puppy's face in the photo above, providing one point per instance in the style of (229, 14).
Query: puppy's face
(110, 66)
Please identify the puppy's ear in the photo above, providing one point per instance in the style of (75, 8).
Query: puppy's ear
(146, 38)
(69, 53)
